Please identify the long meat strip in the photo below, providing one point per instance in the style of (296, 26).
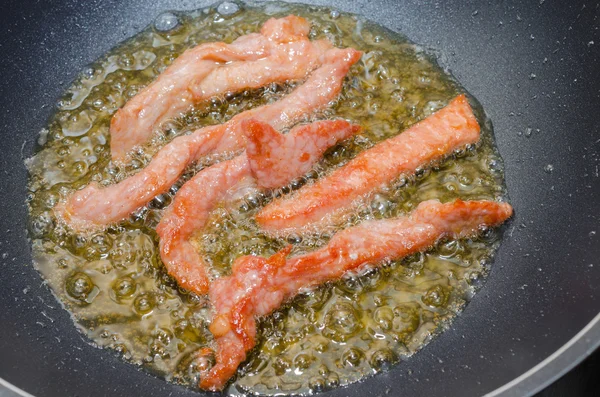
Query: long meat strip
(199, 74)
(195, 200)
(259, 285)
(436, 136)
(95, 206)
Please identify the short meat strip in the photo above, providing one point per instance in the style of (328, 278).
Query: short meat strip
(431, 139)
(276, 159)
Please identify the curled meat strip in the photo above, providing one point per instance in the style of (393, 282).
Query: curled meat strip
(195, 200)
(210, 69)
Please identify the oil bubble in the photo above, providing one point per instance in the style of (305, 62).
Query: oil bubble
(158, 349)
(41, 225)
(79, 286)
(163, 335)
(124, 287)
(228, 8)
(436, 296)
(144, 303)
(352, 357)
(193, 365)
(302, 361)
(342, 322)
(384, 316)
(166, 22)
(333, 380)
(382, 360)
(317, 384)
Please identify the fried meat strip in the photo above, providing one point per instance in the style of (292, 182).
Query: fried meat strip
(95, 206)
(280, 52)
(438, 135)
(258, 285)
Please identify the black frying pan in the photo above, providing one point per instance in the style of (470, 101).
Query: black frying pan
(533, 64)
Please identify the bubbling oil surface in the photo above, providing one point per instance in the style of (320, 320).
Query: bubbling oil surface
(113, 281)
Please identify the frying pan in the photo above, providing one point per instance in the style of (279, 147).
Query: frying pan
(531, 64)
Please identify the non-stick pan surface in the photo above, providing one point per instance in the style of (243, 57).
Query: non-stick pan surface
(531, 64)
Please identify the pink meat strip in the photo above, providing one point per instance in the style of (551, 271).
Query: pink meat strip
(280, 52)
(258, 285)
(287, 62)
(188, 214)
(95, 206)
(195, 200)
(431, 139)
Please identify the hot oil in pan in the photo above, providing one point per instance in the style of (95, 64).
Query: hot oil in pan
(115, 285)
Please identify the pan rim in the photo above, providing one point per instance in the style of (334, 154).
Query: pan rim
(527, 384)
(7, 389)
(555, 365)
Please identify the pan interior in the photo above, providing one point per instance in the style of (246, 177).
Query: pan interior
(115, 286)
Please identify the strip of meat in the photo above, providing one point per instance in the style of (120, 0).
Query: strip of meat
(276, 159)
(286, 62)
(196, 75)
(188, 213)
(322, 87)
(259, 285)
(283, 30)
(434, 137)
(94, 206)
(195, 200)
